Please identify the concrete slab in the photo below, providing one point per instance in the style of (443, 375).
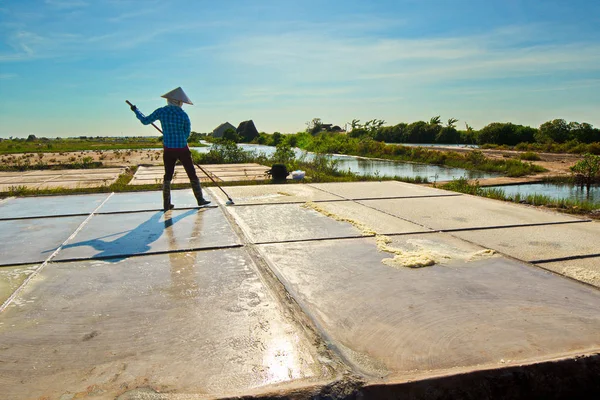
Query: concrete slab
(246, 172)
(285, 222)
(243, 178)
(124, 235)
(68, 178)
(367, 218)
(265, 194)
(219, 172)
(75, 184)
(582, 269)
(143, 201)
(537, 243)
(154, 175)
(34, 240)
(467, 314)
(211, 167)
(375, 190)
(198, 324)
(51, 206)
(11, 278)
(465, 212)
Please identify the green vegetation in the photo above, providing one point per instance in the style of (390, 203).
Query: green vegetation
(28, 161)
(587, 171)
(83, 143)
(530, 156)
(44, 145)
(463, 185)
(559, 133)
(556, 136)
(322, 168)
(334, 143)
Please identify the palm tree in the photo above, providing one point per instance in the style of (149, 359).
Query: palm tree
(435, 120)
(451, 122)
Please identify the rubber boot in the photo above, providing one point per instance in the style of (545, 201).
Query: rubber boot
(167, 196)
(198, 193)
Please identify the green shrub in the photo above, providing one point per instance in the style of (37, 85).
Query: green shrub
(530, 156)
(462, 185)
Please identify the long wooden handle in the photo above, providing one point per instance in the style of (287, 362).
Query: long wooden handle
(157, 128)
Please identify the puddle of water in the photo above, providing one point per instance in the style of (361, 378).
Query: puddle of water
(366, 166)
(11, 278)
(553, 190)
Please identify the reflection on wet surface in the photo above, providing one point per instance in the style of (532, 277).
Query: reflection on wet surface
(200, 322)
(124, 235)
(177, 302)
(136, 240)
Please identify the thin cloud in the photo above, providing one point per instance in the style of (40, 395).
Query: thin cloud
(65, 4)
(134, 14)
(309, 57)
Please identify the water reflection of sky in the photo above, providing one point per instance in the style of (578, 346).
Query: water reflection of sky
(382, 168)
(553, 190)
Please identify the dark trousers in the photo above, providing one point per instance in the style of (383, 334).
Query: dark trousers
(170, 157)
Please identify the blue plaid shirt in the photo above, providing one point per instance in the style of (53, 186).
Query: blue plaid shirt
(175, 125)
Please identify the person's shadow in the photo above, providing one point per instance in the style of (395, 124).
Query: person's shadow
(135, 241)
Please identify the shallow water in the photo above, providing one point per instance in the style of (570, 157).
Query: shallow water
(368, 166)
(469, 146)
(556, 191)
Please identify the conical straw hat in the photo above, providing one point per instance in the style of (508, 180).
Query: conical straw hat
(178, 94)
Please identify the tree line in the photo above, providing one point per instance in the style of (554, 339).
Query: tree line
(497, 133)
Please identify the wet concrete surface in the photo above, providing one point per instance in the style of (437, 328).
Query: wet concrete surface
(273, 194)
(286, 222)
(123, 235)
(377, 190)
(144, 201)
(371, 219)
(464, 313)
(283, 294)
(34, 240)
(200, 323)
(27, 207)
(540, 243)
(12, 277)
(465, 212)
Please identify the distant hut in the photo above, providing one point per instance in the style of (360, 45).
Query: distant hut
(247, 131)
(220, 130)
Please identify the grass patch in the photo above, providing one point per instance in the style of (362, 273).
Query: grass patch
(46, 145)
(530, 156)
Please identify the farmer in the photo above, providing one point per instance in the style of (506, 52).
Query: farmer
(176, 130)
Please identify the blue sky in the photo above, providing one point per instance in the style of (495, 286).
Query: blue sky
(67, 66)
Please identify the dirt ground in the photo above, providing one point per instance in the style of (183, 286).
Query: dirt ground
(556, 164)
(109, 158)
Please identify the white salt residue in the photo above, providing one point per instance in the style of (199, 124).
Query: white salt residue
(485, 253)
(423, 256)
(582, 274)
(364, 230)
(402, 258)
